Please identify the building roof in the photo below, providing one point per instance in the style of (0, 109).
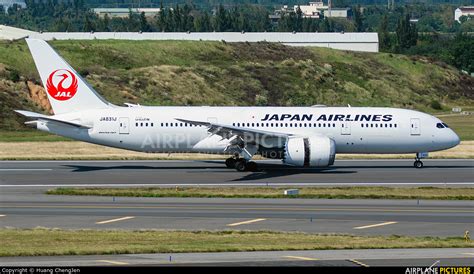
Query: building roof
(467, 9)
(11, 33)
(283, 37)
(125, 10)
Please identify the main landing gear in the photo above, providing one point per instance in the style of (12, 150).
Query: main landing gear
(240, 164)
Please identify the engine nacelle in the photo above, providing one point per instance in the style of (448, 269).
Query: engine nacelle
(315, 151)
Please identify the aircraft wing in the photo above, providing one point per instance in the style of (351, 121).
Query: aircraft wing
(241, 137)
(38, 116)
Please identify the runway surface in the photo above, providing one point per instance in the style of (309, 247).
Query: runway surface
(23, 204)
(355, 258)
(29, 208)
(356, 172)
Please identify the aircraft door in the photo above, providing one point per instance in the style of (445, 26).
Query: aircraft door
(124, 125)
(415, 126)
(346, 128)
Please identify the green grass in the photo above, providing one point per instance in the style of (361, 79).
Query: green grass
(29, 136)
(271, 192)
(38, 242)
(216, 73)
(463, 125)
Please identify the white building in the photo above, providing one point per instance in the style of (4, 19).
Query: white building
(337, 13)
(313, 10)
(9, 3)
(316, 10)
(124, 12)
(352, 41)
(463, 11)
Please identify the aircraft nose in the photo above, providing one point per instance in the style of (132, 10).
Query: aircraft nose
(450, 139)
(454, 139)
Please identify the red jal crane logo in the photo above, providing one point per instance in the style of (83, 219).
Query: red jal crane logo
(62, 84)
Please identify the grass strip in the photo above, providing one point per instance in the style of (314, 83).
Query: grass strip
(428, 193)
(40, 241)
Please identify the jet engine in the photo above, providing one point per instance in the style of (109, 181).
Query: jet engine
(314, 151)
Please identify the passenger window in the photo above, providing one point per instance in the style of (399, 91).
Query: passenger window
(136, 124)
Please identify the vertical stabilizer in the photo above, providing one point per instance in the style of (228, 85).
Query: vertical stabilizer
(67, 91)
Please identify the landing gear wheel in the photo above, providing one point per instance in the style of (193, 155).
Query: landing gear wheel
(252, 166)
(418, 164)
(241, 166)
(230, 162)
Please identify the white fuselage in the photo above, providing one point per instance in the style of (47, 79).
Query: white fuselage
(354, 129)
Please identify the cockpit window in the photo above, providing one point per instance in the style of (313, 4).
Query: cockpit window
(439, 125)
(445, 125)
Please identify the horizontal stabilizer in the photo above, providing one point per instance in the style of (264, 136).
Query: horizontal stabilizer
(39, 116)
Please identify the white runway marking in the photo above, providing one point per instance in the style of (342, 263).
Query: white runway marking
(25, 169)
(358, 263)
(112, 262)
(246, 222)
(115, 220)
(240, 184)
(375, 225)
(301, 258)
(3, 215)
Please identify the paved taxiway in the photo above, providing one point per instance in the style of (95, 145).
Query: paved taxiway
(24, 204)
(384, 172)
(357, 257)
(362, 217)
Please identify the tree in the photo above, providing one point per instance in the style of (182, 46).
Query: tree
(299, 19)
(162, 26)
(105, 23)
(221, 19)
(88, 26)
(407, 33)
(358, 19)
(144, 26)
(384, 38)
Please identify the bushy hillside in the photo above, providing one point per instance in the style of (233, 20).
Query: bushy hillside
(219, 73)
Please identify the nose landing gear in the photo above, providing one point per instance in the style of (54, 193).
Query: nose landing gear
(420, 155)
(418, 163)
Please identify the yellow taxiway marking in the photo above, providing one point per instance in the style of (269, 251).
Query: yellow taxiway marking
(246, 222)
(301, 258)
(375, 225)
(112, 262)
(115, 220)
(358, 263)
